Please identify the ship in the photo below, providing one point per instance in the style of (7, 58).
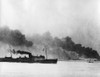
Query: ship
(29, 59)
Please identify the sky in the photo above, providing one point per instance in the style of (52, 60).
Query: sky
(79, 19)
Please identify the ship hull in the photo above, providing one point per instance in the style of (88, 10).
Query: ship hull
(29, 60)
(48, 61)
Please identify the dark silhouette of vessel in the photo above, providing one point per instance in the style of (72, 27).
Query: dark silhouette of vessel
(29, 59)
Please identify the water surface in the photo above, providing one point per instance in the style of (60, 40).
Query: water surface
(61, 69)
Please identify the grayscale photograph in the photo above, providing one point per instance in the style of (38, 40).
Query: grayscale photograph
(49, 38)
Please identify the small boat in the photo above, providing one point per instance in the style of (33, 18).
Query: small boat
(91, 61)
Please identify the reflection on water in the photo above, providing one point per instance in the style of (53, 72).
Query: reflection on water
(61, 69)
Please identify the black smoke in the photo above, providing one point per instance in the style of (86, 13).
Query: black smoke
(65, 44)
(87, 52)
(13, 37)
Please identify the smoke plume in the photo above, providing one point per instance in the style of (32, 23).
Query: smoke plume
(13, 37)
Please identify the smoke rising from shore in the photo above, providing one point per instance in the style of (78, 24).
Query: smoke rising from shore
(55, 46)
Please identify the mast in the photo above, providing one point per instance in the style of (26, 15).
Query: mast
(10, 50)
(45, 50)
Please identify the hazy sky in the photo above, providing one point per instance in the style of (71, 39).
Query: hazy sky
(79, 19)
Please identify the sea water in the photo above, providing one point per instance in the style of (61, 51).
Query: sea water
(61, 69)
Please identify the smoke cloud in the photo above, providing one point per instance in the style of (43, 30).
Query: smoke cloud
(79, 19)
(13, 37)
